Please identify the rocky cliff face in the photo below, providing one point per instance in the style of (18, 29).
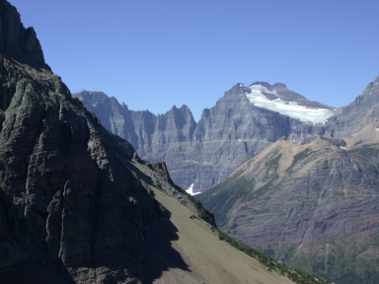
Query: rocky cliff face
(315, 206)
(203, 154)
(73, 207)
(19, 42)
(70, 190)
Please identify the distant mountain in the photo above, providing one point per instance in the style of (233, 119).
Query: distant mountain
(358, 123)
(77, 204)
(313, 205)
(201, 155)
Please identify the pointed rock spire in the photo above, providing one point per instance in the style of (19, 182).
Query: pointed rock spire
(18, 42)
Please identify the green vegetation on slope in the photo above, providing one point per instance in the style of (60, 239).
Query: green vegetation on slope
(295, 275)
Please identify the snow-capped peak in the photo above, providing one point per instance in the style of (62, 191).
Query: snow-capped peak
(268, 98)
(191, 192)
(259, 89)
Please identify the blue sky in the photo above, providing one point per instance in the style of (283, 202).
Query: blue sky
(154, 54)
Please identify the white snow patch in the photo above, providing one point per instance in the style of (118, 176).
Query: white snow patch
(260, 89)
(190, 190)
(292, 109)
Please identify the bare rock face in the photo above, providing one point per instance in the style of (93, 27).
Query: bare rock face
(358, 123)
(202, 154)
(72, 204)
(315, 206)
(69, 187)
(16, 41)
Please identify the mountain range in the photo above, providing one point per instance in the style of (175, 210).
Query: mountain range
(77, 203)
(202, 154)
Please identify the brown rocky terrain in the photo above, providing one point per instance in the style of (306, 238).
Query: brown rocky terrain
(315, 206)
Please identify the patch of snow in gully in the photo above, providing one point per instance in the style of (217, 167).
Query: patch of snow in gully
(191, 192)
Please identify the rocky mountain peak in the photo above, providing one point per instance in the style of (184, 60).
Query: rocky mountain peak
(262, 83)
(18, 42)
(280, 85)
(373, 88)
(183, 108)
(98, 94)
(236, 90)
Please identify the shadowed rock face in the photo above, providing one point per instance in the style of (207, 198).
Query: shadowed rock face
(203, 153)
(70, 188)
(73, 204)
(315, 206)
(16, 41)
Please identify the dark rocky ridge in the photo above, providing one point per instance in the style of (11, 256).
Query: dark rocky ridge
(74, 205)
(19, 42)
(70, 186)
(202, 153)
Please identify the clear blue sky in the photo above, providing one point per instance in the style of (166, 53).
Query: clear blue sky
(154, 54)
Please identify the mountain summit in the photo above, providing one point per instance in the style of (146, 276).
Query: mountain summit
(19, 42)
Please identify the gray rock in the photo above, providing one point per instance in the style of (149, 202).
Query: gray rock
(358, 122)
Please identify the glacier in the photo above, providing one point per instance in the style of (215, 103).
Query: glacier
(289, 108)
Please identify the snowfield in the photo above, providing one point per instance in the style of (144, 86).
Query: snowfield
(190, 191)
(289, 108)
